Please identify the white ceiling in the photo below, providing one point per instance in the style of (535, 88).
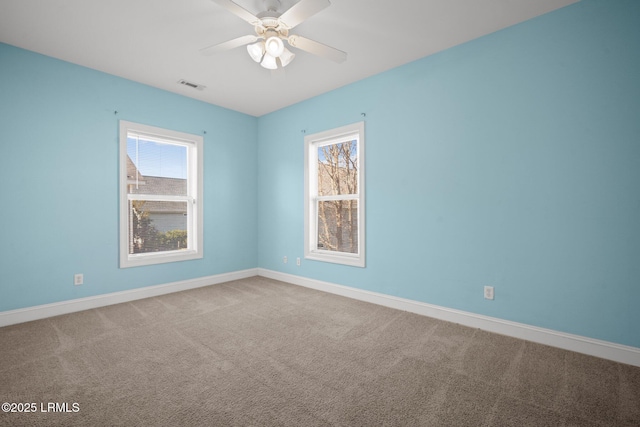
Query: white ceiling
(157, 42)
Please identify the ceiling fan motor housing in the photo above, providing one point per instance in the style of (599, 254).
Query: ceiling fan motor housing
(270, 27)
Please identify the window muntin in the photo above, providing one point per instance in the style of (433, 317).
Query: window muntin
(160, 195)
(334, 195)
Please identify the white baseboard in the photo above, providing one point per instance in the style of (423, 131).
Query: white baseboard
(64, 307)
(593, 347)
(603, 349)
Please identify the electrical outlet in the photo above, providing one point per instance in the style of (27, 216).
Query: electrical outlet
(78, 279)
(488, 292)
(284, 259)
(298, 261)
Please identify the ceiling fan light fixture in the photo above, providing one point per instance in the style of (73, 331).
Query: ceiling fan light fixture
(269, 62)
(274, 46)
(256, 51)
(286, 57)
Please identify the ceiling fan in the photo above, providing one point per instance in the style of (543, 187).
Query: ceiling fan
(271, 28)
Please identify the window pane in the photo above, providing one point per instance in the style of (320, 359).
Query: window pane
(338, 226)
(155, 168)
(338, 169)
(156, 226)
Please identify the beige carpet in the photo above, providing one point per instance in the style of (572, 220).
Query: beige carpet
(258, 352)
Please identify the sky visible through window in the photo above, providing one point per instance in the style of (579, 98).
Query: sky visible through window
(156, 159)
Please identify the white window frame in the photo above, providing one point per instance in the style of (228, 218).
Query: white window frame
(347, 133)
(194, 144)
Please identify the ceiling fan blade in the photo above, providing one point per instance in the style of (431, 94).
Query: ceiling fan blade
(318, 49)
(301, 11)
(228, 45)
(238, 10)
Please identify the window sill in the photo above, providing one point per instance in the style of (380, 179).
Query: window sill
(158, 258)
(336, 258)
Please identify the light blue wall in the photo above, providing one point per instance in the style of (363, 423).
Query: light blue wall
(512, 161)
(59, 180)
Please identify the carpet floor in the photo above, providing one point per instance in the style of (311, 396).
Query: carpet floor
(258, 352)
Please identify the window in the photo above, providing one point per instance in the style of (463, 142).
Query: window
(334, 195)
(160, 195)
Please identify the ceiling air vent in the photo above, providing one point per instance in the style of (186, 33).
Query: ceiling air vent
(192, 85)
